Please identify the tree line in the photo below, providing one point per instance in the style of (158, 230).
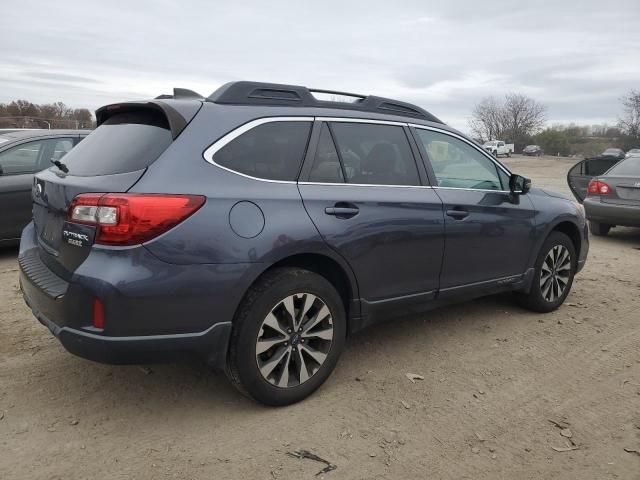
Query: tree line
(521, 120)
(25, 114)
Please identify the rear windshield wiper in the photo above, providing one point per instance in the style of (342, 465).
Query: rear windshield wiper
(60, 165)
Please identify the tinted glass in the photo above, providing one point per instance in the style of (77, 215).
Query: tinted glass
(326, 164)
(597, 166)
(457, 164)
(629, 167)
(273, 151)
(33, 156)
(23, 158)
(126, 142)
(375, 154)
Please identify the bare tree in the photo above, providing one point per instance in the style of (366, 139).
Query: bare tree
(486, 120)
(630, 121)
(514, 119)
(523, 116)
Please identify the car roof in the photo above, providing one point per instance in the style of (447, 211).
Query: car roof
(26, 134)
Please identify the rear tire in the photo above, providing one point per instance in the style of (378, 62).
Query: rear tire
(553, 275)
(277, 357)
(599, 229)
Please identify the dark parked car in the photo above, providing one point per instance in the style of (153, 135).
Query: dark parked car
(23, 153)
(582, 172)
(260, 226)
(533, 151)
(614, 153)
(614, 197)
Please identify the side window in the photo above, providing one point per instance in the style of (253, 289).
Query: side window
(61, 147)
(23, 158)
(326, 164)
(375, 154)
(273, 151)
(457, 164)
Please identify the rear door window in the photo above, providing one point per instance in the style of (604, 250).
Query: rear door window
(326, 164)
(31, 157)
(125, 142)
(374, 154)
(271, 151)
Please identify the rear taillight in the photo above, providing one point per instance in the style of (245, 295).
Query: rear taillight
(131, 218)
(598, 187)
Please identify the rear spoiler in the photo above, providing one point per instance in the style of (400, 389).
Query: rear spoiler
(177, 112)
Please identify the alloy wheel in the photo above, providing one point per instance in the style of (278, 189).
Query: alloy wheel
(555, 273)
(294, 340)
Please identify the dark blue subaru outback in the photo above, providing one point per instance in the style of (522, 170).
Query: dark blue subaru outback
(260, 226)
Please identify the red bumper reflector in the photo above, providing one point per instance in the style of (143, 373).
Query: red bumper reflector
(98, 313)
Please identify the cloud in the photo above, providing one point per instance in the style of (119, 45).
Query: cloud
(577, 57)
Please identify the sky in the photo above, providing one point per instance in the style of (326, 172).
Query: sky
(576, 57)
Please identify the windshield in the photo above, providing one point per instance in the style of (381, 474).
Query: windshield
(490, 144)
(126, 142)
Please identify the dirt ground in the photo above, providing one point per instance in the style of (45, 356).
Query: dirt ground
(494, 377)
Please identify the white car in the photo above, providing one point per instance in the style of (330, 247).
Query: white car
(634, 152)
(498, 147)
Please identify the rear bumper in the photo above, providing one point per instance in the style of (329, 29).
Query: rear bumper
(612, 214)
(153, 310)
(210, 344)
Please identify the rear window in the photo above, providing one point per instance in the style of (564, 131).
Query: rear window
(126, 142)
(273, 151)
(629, 167)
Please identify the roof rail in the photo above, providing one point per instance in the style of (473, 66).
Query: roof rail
(274, 94)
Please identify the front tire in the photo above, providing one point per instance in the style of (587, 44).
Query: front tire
(599, 229)
(287, 336)
(555, 268)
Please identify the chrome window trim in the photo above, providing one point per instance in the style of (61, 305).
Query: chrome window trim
(328, 184)
(233, 134)
(459, 137)
(473, 189)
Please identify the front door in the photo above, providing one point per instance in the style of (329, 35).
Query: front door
(489, 232)
(362, 189)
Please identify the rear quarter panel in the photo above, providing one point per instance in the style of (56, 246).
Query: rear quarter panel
(207, 237)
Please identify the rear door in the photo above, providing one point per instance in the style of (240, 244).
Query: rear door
(488, 232)
(582, 172)
(364, 192)
(18, 163)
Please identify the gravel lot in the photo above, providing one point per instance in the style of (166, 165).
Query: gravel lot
(494, 377)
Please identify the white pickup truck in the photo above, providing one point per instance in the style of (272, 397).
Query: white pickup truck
(498, 147)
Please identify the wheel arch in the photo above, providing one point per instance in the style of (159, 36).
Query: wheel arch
(333, 270)
(571, 230)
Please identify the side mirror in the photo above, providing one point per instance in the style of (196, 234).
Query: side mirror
(519, 185)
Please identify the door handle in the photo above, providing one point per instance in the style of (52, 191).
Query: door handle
(342, 210)
(457, 214)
